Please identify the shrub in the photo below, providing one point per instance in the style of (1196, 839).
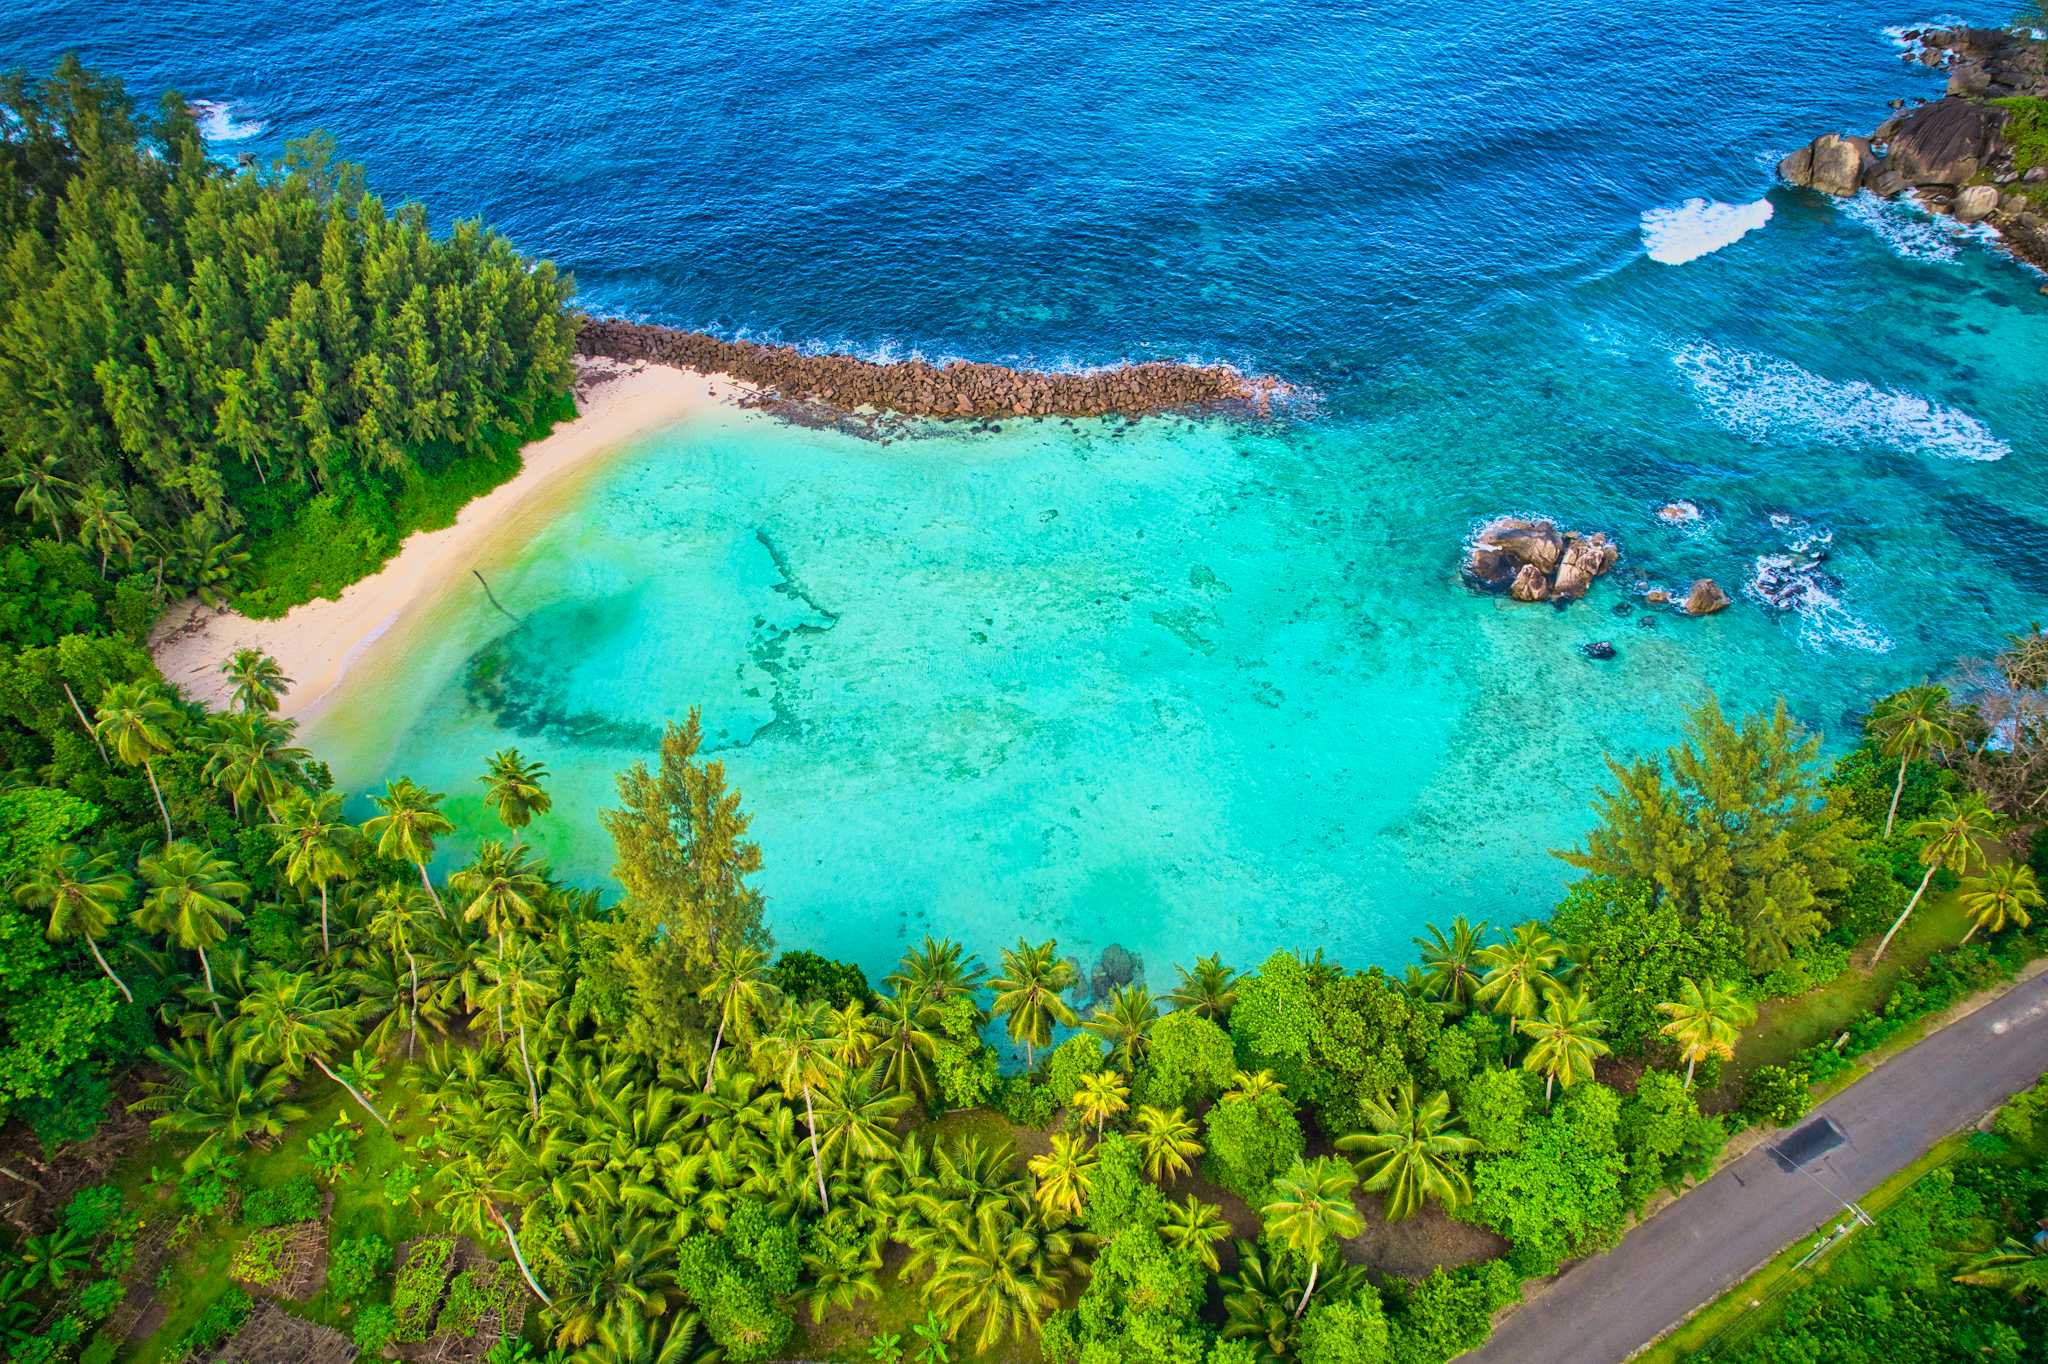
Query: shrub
(473, 1295)
(221, 1319)
(1025, 1103)
(99, 1298)
(375, 1327)
(92, 1210)
(1079, 1055)
(333, 1151)
(416, 1291)
(807, 976)
(295, 1200)
(1250, 1141)
(357, 1263)
(260, 1261)
(1774, 1095)
(1191, 1062)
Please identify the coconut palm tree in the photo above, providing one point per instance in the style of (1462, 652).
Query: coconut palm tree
(1027, 995)
(288, 1019)
(258, 682)
(1103, 1094)
(1311, 1207)
(1193, 1228)
(740, 992)
(1566, 1040)
(410, 823)
(1909, 726)
(1126, 1024)
(1006, 1270)
(794, 1053)
(250, 755)
(192, 898)
(470, 1201)
(2012, 1267)
(1209, 990)
(501, 889)
(1252, 1085)
(212, 1088)
(1165, 1137)
(1951, 837)
(315, 845)
(856, 1121)
(904, 1047)
(103, 522)
(397, 919)
(937, 971)
(45, 492)
(83, 895)
(136, 721)
(1064, 1174)
(1411, 1154)
(1451, 966)
(1705, 1021)
(512, 788)
(2005, 894)
(520, 981)
(1520, 970)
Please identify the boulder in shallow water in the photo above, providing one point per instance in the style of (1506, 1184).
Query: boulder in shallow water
(1884, 182)
(1704, 598)
(1599, 648)
(1943, 143)
(1585, 559)
(1530, 584)
(1831, 163)
(1657, 596)
(1975, 203)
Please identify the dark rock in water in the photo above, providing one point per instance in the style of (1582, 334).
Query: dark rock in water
(1885, 182)
(1599, 648)
(1622, 608)
(1704, 598)
(1648, 622)
(1535, 561)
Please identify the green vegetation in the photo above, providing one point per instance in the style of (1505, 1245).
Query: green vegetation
(620, 1127)
(2026, 129)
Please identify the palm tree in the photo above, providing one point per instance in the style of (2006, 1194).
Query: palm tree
(1027, 995)
(316, 846)
(1166, 1139)
(1909, 726)
(1953, 837)
(192, 898)
(1412, 1152)
(104, 522)
(1451, 966)
(857, 1122)
(1103, 1094)
(1252, 1085)
(501, 889)
(288, 1019)
(1126, 1024)
(397, 923)
(2012, 1267)
(44, 491)
(1193, 1228)
(512, 787)
(406, 831)
(135, 719)
(1310, 1207)
(796, 1055)
(84, 896)
(1064, 1174)
(521, 982)
(740, 991)
(1209, 990)
(471, 1203)
(258, 680)
(1004, 1269)
(2003, 895)
(936, 971)
(1566, 1040)
(1705, 1021)
(1520, 970)
(250, 756)
(905, 1048)
(213, 1089)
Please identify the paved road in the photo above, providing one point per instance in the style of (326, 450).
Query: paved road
(1605, 1309)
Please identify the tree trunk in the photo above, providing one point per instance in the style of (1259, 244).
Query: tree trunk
(526, 1060)
(427, 881)
(356, 1093)
(91, 733)
(717, 1041)
(206, 970)
(1900, 921)
(1898, 789)
(513, 1242)
(1030, 1062)
(1690, 1062)
(24, 1179)
(1302, 1306)
(326, 950)
(150, 768)
(119, 984)
(1975, 924)
(1549, 1087)
(412, 1032)
(817, 1162)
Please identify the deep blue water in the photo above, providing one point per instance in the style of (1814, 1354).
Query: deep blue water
(1433, 221)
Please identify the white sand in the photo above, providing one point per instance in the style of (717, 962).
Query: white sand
(317, 641)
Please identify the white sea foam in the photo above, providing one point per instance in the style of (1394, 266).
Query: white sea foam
(1795, 583)
(1911, 231)
(1699, 226)
(1769, 399)
(217, 121)
(1895, 34)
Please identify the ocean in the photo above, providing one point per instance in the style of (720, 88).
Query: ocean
(1180, 686)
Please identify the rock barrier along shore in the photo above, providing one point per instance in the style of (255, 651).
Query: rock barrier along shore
(1955, 154)
(916, 388)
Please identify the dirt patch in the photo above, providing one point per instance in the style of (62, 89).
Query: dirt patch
(1414, 1246)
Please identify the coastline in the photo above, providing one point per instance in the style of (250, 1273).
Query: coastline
(317, 642)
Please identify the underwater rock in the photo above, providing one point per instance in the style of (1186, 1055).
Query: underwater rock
(1599, 648)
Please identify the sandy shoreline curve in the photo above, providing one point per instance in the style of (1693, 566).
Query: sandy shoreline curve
(317, 641)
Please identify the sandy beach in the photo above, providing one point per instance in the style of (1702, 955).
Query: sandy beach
(316, 642)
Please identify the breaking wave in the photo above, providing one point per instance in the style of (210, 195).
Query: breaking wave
(1698, 227)
(217, 121)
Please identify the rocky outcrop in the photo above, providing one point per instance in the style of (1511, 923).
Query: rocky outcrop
(1532, 560)
(1952, 153)
(1704, 598)
(915, 388)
